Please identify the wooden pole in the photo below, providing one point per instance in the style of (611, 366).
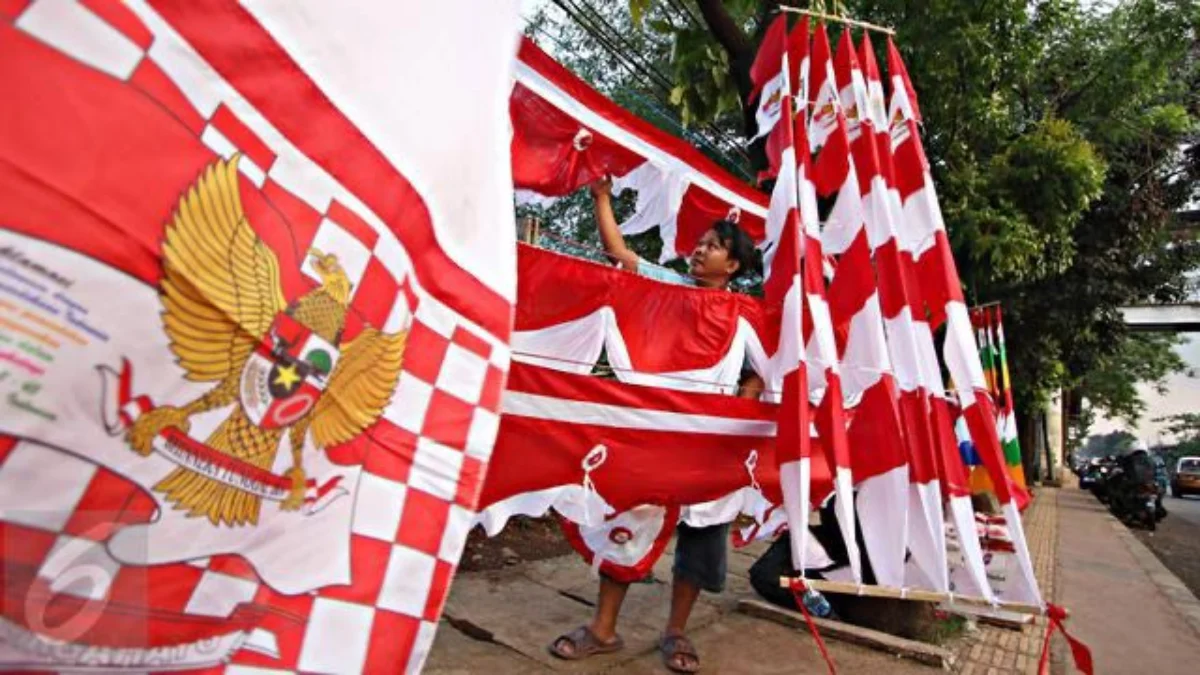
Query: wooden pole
(840, 19)
(917, 594)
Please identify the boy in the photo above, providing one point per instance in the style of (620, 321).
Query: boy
(723, 253)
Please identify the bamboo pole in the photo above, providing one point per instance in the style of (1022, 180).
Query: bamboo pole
(840, 19)
(917, 594)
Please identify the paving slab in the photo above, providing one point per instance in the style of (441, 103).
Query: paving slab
(454, 653)
(742, 645)
(525, 617)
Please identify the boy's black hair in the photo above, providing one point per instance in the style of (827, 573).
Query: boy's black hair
(738, 243)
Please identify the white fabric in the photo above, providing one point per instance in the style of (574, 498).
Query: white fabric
(866, 357)
(659, 196)
(962, 355)
(644, 524)
(770, 102)
(549, 91)
(1024, 588)
(572, 501)
(359, 76)
(573, 346)
(883, 515)
(926, 539)
(971, 577)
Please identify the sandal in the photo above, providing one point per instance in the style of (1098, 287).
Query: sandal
(583, 643)
(674, 646)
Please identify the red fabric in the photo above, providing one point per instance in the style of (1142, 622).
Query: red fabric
(1082, 656)
(798, 588)
(821, 54)
(548, 154)
(981, 421)
(699, 210)
(954, 479)
(532, 56)
(624, 573)
(555, 288)
(896, 67)
(644, 466)
(770, 55)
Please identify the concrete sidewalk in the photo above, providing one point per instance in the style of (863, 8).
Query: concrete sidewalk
(501, 622)
(1135, 615)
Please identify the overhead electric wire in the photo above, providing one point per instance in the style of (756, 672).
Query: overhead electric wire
(609, 37)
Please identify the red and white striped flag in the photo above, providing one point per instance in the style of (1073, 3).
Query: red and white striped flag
(924, 236)
(825, 378)
(911, 344)
(876, 436)
(784, 286)
(295, 279)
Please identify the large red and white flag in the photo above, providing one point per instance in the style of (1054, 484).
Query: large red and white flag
(910, 343)
(255, 298)
(923, 236)
(875, 434)
(784, 287)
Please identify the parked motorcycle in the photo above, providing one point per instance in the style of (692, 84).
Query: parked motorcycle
(1134, 494)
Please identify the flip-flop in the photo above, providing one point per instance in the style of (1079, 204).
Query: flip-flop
(584, 643)
(672, 646)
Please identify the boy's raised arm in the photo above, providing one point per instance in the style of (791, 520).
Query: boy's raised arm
(610, 232)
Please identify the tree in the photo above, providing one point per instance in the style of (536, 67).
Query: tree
(1055, 134)
(1061, 136)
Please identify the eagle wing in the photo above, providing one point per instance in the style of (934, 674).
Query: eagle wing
(220, 287)
(360, 386)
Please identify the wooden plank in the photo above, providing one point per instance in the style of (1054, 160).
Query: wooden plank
(865, 637)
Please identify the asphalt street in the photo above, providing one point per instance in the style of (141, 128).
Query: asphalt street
(1177, 541)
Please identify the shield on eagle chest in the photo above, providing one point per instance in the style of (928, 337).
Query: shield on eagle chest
(286, 374)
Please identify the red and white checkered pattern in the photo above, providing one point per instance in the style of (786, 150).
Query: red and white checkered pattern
(423, 463)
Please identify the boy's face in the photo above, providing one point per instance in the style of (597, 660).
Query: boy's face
(710, 260)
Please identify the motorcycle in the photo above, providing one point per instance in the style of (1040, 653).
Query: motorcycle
(1134, 495)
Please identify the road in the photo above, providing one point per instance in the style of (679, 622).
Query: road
(1187, 508)
(1177, 541)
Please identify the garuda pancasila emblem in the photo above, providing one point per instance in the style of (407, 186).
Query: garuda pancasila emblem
(282, 363)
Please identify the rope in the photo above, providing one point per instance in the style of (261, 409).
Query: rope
(798, 588)
(1055, 616)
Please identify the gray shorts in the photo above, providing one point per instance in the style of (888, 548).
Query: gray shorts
(700, 555)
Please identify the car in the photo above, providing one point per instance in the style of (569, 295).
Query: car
(1187, 477)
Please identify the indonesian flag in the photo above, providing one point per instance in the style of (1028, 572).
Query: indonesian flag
(822, 119)
(876, 436)
(257, 333)
(923, 235)
(910, 341)
(797, 80)
(784, 285)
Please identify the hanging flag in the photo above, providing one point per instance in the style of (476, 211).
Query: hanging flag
(878, 457)
(941, 292)
(769, 81)
(265, 334)
(909, 340)
(792, 208)
(798, 63)
(1008, 434)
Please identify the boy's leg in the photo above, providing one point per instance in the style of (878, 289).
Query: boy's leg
(600, 636)
(699, 565)
(608, 608)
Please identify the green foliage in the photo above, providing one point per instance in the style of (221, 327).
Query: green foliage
(1061, 135)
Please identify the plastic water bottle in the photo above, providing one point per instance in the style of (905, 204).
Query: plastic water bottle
(816, 604)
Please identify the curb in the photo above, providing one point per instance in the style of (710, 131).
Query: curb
(864, 637)
(1182, 599)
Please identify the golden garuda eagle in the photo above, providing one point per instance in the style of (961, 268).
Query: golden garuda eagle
(282, 366)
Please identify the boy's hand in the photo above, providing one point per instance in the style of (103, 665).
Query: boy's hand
(601, 187)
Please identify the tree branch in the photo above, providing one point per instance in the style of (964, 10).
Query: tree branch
(728, 34)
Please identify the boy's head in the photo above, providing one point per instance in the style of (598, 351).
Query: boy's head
(722, 254)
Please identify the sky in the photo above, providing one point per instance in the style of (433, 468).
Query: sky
(1183, 395)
